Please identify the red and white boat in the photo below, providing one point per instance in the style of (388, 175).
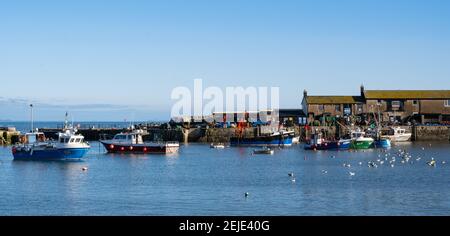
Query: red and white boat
(132, 142)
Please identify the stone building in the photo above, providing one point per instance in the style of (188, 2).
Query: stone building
(319, 107)
(421, 106)
(416, 106)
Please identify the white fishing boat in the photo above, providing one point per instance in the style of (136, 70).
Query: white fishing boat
(133, 142)
(397, 134)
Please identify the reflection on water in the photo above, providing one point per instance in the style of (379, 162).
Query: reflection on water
(205, 181)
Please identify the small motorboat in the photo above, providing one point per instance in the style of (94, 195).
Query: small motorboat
(35, 146)
(360, 140)
(69, 146)
(397, 134)
(275, 139)
(264, 150)
(317, 142)
(382, 143)
(132, 142)
(379, 141)
(217, 145)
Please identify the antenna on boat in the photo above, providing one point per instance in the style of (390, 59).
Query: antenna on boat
(31, 114)
(65, 120)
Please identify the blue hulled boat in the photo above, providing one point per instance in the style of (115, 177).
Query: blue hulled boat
(69, 146)
(382, 143)
(316, 142)
(282, 138)
(35, 146)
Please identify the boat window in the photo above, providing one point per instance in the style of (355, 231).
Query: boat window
(120, 136)
(72, 140)
(77, 140)
(31, 138)
(130, 137)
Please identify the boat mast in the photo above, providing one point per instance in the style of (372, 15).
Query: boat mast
(31, 116)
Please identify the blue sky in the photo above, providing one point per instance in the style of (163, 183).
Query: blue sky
(127, 56)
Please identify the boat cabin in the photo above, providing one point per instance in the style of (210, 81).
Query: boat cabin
(70, 137)
(358, 134)
(36, 137)
(129, 138)
(395, 131)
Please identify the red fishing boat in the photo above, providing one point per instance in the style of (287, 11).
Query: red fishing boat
(132, 142)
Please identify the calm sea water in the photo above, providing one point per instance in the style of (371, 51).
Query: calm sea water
(204, 181)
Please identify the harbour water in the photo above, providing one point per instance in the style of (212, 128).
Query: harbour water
(204, 181)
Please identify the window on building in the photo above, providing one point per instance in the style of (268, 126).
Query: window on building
(338, 107)
(321, 107)
(415, 102)
(395, 105)
(347, 109)
(359, 107)
(378, 102)
(447, 103)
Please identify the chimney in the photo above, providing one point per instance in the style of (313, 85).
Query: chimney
(362, 90)
(305, 93)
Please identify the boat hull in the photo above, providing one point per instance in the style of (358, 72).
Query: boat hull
(261, 142)
(365, 144)
(394, 138)
(383, 143)
(139, 148)
(50, 154)
(337, 145)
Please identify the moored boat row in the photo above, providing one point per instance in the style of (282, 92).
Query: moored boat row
(358, 140)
